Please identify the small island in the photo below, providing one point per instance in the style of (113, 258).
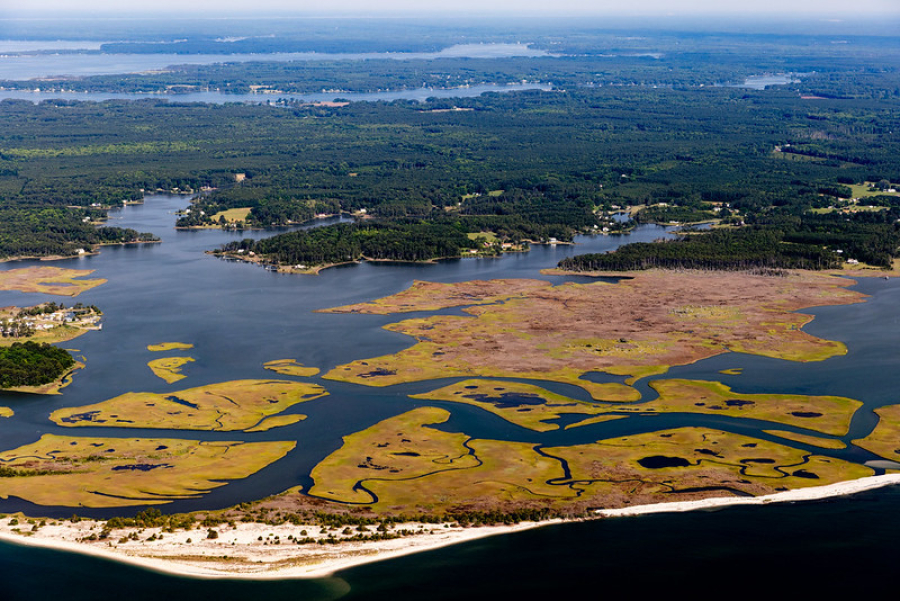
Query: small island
(249, 405)
(169, 368)
(290, 367)
(169, 346)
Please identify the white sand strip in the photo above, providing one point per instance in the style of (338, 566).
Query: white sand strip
(248, 551)
(812, 493)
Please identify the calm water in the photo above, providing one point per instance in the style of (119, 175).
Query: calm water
(15, 66)
(418, 94)
(28, 60)
(240, 316)
(759, 82)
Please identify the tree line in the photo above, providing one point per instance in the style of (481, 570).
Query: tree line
(778, 242)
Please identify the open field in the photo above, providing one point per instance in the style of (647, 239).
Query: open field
(48, 280)
(408, 466)
(864, 191)
(232, 215)
(117, 472)
(225, 406)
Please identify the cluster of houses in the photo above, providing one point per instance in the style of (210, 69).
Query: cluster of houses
(23, 324)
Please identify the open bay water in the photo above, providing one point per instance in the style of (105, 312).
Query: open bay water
(24, 60)
(417, 94)
(239, 316)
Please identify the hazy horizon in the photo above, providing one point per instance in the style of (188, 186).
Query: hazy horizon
(412, 8)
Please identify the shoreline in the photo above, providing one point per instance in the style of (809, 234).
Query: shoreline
(89, 253)
(53, 387)
(255, 550)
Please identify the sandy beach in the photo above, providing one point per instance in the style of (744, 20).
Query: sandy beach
(262, 551)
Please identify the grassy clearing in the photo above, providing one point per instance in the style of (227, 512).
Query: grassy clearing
(118, 472)
(276, 421)
(863, 191)
(850, 209)
(232, 215)
(226, 406)
(61, 333)
(433, 296)
(489, 237)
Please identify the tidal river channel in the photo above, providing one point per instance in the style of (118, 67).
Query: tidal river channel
(238, 316)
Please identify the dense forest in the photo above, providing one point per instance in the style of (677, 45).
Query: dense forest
(412, 241)
(56, 231)
(803, 242)
(624, 126)
(32, 364)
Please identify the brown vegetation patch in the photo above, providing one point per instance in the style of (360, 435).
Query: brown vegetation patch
(48, 280)
(638, 326)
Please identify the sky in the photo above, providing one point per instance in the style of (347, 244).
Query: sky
(619, 7)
